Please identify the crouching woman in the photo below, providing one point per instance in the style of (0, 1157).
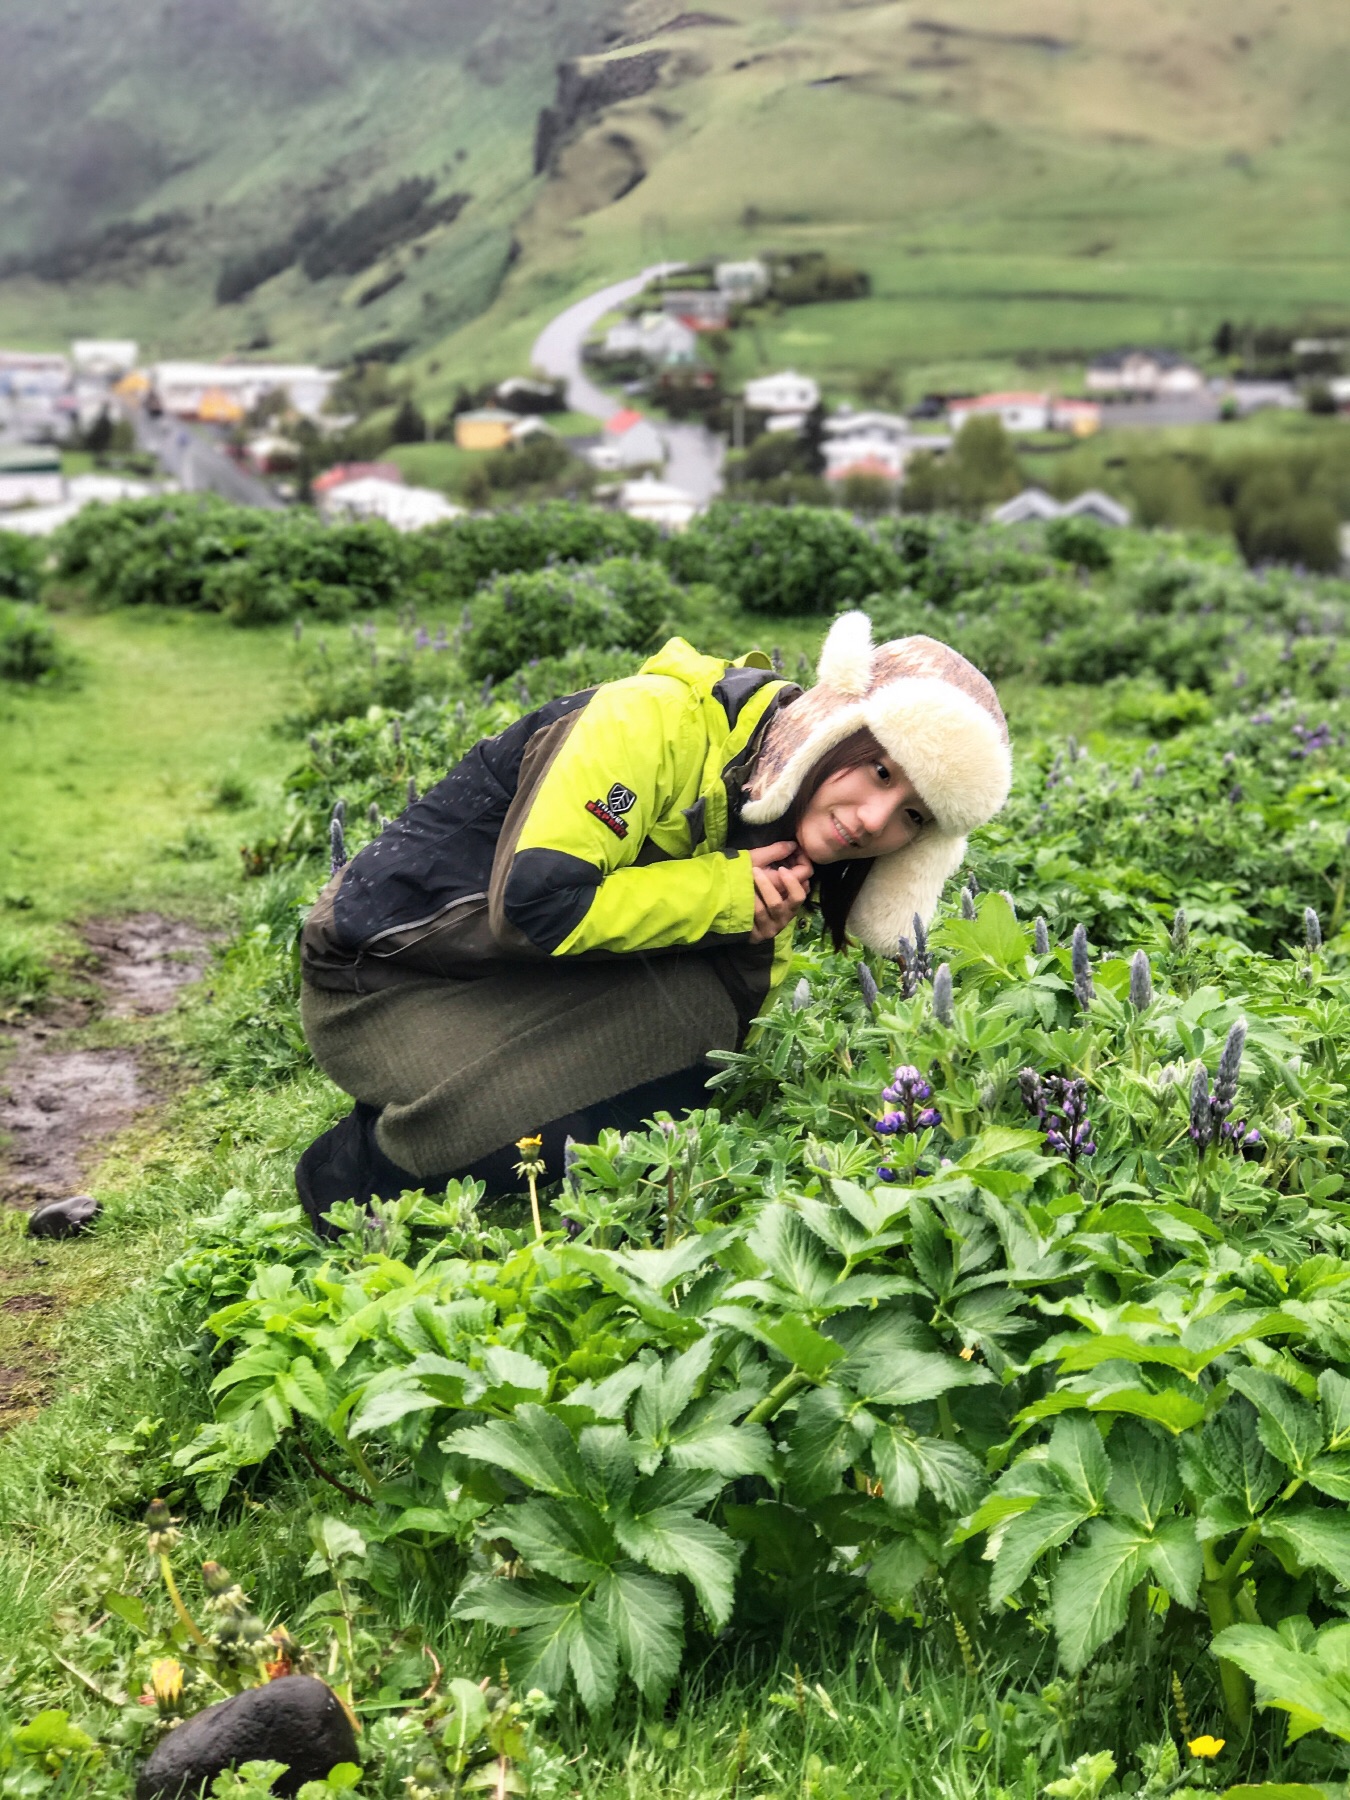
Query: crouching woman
(557, 934)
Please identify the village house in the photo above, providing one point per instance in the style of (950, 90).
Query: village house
(657, 502)
(184, 388)
(269, 453)
(104, 358)
(522, 394)
(701, 309)
(405, 508)
(1018, 412)
(786, 392)
(30, 475)
(1081, 417)
(742, 282)
(865, 443)
(489, 428)
(629, 442)
(1144, 374)
(341, 473)
(662, 341)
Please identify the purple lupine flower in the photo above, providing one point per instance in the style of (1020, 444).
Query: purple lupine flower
(1211, 1107)
(905, 1096)
(887, 1173)
(1060, 1105)
(890, 1124)
(867, 982)
(423, 638)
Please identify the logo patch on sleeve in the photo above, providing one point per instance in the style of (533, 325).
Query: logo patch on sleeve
(619, 799)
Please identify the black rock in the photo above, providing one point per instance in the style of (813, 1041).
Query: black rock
(64, 1218)
(296, 1719)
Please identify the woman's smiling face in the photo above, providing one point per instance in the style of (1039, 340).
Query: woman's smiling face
(870, 809)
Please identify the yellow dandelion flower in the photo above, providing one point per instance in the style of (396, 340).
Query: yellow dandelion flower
(166, 1679)
(1206, 1746)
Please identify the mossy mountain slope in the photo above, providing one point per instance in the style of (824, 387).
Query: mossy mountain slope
(1019, 177)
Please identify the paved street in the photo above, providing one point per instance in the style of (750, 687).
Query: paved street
(192, 456)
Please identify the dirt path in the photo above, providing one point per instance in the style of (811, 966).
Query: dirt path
(59, 1102)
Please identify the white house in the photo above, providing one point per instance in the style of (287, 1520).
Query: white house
(30, 475)
(704, 309)
(405, 508)
(657, 502)
(787, 392)
(104, 358)
(33, 372)
(660, 340)
(630, 442)
(1144, 373)
(1019, 412)
(1035, 503)
(182, 386)
(742, 281)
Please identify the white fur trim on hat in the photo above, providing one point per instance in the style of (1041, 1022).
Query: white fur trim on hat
(947, 744)
(908, 881)
(846, 655)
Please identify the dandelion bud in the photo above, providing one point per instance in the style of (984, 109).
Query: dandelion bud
(1040, 937)
(944, 1010)
(215, 1579)
(157, 1516)
(337, 845)
(1181, 932)
(1141, 981)
(1312, 928)
(412, 791)
(801, 995)
(867, 983)
(967, 904)
(1082, 966)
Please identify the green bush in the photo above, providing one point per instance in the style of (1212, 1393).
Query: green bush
(1082, 542)
(20, 566)
(450, 561)
(624, 603)
(796, 559)
(28, 647)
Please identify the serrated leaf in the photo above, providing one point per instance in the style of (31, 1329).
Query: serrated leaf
(673, 1542)
(794, 1255)
(824, 1441)
(897, 1569)
(896, 1466)
(1288, 1427)
(378, 1408)
(607, 1457)
(1078, 1457)
(1228, 1458)
(305, 1388)
(566, 1538)
(1331, 1475)
(534, 1446)
(919, 1375)
(1334, 1391)
(593, 1652)
(1144, 1484)
(1026, 1539)
(1176, 1559)
(1175, 1412)
(1092, 1588)
(801, 1344)
(647, 1620)
(1318, 1536)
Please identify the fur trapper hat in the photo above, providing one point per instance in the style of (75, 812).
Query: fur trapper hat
(937, 717)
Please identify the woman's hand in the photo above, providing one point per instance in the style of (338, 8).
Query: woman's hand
(782, 874)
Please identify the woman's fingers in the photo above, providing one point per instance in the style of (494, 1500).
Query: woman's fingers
(769, 854)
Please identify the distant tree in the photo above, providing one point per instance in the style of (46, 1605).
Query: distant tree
(867, 494)
(98, 438)
(409, 426)
(984, 464)
(1319, 398)
(1224, 338)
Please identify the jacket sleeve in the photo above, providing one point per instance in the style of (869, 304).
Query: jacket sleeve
(567, 881)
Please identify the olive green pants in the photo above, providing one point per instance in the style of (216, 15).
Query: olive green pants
(460, 1068)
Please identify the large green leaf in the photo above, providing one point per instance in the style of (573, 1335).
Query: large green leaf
(1144, 1484)
(1078, 1457)
(797, 1342)
(896, 1465)
(1318, 1536)
(1289, 1427)
(1026, 1538)
(917, 1375)
(1331, 1475)
(593, 1652)
(824, 1441)
(897, 1569)
(1226, 1459)
(673, 1542)
(1313, 1692)
(1334, 1392)
(1176, 1559)
(1092, 1589)
(795, 1257)
(566, 1538)
(534, 1446)
(647, 1620)
(607, 1457)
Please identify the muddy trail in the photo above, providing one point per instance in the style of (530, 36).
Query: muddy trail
(61, 1102)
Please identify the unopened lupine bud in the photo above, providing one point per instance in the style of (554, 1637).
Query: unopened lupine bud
(485, 692)
(1181, 931)
(1230, 1065)
(1137, 779)
(373, 815)
(1312, 928)
(973, 882)
(396, 732)
(1012, 904)
(1202, 1124)
(1040, 937)
(1082, 966)
(412, 791)
(1141, 981)
(337, 845)
(801, 995)
(967, 904)
(776, 658)
(868, 985)
(944, 1010)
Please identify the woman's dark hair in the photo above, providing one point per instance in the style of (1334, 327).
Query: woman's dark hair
(837, 884)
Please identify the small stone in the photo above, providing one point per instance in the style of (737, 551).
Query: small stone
(64, 1218)
(296, 1719)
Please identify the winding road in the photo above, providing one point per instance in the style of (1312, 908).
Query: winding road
(694, 455)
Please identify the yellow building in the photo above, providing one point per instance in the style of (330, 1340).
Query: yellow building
(489, 429)
(216, 407)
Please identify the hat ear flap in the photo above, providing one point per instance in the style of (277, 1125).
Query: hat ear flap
(906, 882)
(846, 655)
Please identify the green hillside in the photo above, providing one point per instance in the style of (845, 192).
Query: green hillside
(1020, 178)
